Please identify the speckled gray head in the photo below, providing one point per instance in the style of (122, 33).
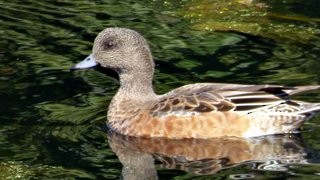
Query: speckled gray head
(120, 49)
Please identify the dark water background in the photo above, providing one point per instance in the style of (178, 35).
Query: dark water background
(52, 120)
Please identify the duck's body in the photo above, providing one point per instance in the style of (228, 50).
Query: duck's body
(203, 110)
(211, 110)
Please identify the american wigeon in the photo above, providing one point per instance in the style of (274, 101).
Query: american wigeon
(201, 110)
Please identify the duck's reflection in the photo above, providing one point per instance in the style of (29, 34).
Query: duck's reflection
(201, 156)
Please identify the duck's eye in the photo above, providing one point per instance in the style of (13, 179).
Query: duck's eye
(108, 45)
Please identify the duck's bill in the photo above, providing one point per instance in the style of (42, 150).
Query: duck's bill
(88, 62)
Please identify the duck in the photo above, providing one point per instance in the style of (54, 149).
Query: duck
(199, 110)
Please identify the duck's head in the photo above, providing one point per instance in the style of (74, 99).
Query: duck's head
(120, 49)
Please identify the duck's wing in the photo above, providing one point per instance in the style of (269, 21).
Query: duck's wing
(209, 97)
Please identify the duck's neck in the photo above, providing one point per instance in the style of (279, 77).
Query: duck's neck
(136, 85)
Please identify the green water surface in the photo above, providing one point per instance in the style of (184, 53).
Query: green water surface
(52, 121)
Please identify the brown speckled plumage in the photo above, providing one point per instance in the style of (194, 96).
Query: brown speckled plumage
(202, 110)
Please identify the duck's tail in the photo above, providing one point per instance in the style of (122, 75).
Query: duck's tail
(306, 112)
(309, 109)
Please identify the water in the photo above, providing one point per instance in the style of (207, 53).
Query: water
(52, 120)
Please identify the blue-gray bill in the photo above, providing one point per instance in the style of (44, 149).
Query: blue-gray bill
(88, 62)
